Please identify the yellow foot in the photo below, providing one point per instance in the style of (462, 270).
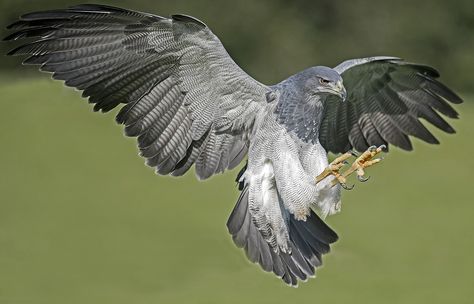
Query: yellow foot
(362, 162)
(334, 168)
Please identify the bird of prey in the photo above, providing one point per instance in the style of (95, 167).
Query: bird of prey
(188, 103)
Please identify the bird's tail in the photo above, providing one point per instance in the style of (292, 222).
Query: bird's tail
(309, 240)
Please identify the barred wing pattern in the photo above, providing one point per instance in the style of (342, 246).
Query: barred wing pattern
(185, 99)
(386, 98)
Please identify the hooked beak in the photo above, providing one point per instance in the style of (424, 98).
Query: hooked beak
(337, 89)
(340, 90)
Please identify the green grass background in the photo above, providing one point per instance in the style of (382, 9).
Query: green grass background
(82, 220)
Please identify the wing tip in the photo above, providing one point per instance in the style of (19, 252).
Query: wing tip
(12, 52)
(12, 36)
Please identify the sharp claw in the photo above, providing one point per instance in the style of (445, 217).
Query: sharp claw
(364, 160)
(347, 187)
(354, 153)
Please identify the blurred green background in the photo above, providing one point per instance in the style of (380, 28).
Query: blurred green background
(82, 220)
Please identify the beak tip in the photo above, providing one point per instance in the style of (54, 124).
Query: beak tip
(342, 91)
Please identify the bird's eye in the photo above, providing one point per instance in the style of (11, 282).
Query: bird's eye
(323, 81)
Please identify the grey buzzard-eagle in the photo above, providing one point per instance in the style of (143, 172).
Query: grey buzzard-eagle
(188, 103)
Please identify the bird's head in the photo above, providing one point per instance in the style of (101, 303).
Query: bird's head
(323, 82)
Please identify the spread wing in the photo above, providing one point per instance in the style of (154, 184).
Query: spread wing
(185, 99)
(386, 99)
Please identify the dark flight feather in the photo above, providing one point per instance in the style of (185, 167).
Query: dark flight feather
(386, 99)
(172, 74)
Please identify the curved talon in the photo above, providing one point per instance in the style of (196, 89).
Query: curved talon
(343, 185)
(383, 147)
(354, 153)
(363, 161)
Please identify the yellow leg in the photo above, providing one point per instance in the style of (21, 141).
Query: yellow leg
(333, 169)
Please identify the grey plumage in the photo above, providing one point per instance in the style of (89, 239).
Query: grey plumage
(309, 240)
(172, 74)
(188, 103)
